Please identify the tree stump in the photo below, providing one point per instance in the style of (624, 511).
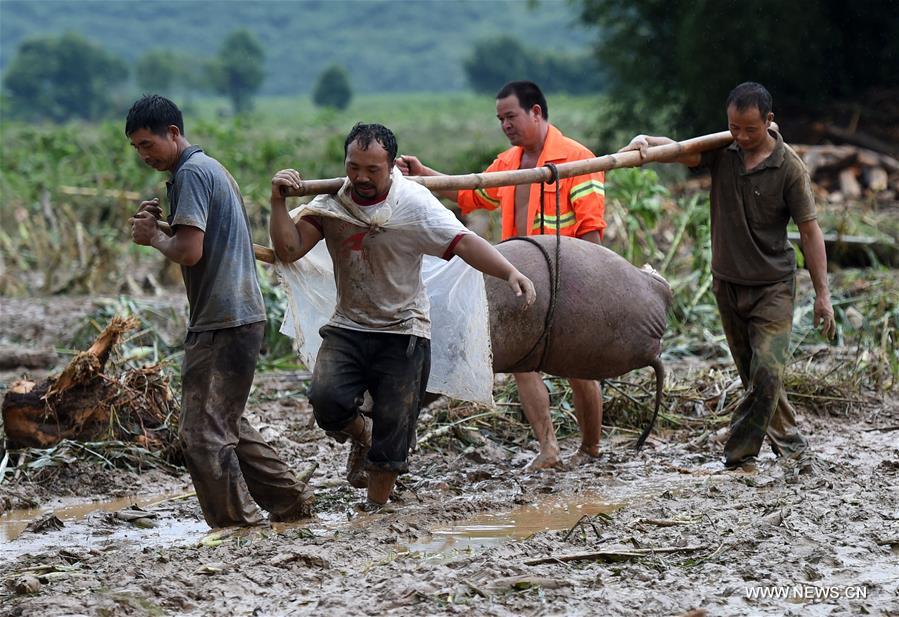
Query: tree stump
(83, 403)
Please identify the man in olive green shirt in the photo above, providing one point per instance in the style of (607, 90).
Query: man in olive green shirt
(758, 184)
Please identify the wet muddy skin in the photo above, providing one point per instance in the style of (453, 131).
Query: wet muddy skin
(466, 522)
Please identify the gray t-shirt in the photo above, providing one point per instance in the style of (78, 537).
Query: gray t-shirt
(222, 288)
(751, 210)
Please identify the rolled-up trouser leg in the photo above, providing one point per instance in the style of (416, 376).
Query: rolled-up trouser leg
(217, 373)
(757, 322)
(392, 367)
(398, 376)
(338, 379)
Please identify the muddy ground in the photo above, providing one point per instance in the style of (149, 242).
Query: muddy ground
(670, 529)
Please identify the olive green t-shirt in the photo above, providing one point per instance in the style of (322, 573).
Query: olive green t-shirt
(751, 210)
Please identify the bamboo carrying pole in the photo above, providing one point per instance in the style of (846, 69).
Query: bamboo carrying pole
(668, 152)
(655, 154)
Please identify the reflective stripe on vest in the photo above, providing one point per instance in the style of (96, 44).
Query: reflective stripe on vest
(551, 222)
(586, 188)
(486, 197)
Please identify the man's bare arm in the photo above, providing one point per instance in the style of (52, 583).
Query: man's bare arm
(184, 246)
(410, 166)
(812, 241)
(591, 236)
(482, 256)
(290, 241)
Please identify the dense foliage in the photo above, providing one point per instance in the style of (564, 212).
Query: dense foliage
(58, 78)
(239, 70)
(496, 61)
(682, 57)
(409, 46)
(333, 88)
(172, 73)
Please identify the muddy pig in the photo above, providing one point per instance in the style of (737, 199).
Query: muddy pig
(608, 316)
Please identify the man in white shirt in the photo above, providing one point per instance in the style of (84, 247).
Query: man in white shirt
(377, 228)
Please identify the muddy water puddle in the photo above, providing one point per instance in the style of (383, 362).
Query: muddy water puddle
(92, 526)
(81, 530)
(554, 513)
(486, 531)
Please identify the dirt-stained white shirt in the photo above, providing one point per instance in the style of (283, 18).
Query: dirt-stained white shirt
(377, 254)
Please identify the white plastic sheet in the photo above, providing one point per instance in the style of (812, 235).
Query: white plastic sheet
(461, 360)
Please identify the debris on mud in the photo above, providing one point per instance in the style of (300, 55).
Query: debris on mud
(85, 403)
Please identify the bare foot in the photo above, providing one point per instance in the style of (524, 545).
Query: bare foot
(544, 460)
(579, 458)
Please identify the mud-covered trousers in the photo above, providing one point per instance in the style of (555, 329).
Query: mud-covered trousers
(757, 321)
(229, 462)
(394, 368)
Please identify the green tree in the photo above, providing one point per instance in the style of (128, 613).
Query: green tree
(496, 61)
(239, 70)
(167, 72)
(157, 71)
(62, 77)
(333, 88)
(685, 55)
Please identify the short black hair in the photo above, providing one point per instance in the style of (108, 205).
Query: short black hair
(154, 113)
(367, 133)
(750, 94)
(528, 93)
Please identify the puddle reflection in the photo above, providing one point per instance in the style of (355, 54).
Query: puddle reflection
(80, 534)
(485, 531)
(13, 523)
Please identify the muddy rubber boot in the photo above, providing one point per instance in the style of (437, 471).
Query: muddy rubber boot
(355, 462)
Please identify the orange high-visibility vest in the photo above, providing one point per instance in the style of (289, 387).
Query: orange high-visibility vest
(582, 202)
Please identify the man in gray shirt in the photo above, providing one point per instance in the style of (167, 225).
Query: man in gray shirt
(229, 462)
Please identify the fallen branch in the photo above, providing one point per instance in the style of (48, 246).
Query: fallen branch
(614, 555)
(442, 430)
(882, 429)
(857, 250)
(857, 138)
(84, 404)
(663, 522)
(83, 191)
(824, 397)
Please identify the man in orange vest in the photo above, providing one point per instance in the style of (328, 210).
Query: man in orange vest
(522, 111)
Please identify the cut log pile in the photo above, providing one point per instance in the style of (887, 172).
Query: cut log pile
(848, 172)
(86, 403)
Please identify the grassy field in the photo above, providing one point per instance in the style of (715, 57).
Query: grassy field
(67, 191)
